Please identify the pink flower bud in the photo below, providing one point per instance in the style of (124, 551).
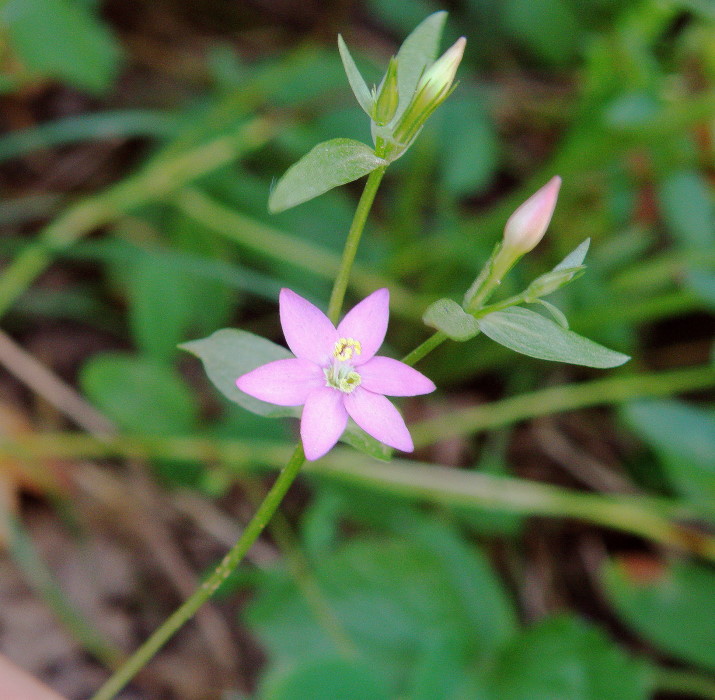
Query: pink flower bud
(528, 224)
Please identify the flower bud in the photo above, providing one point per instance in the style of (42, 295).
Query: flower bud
(385, 104)
(528, 224)
(433, 88)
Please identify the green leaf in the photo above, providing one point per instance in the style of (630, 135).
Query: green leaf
(329, 164)
(63, 40)
(563, 657)
(531, 334)
(139, 395)
(417, 52)
(357, 82)
(449, 317)
(160, 305)
(229, 353)
(684, 438)
(672, 608)
(326, 679)
(687, 208)
(702, 283)
(393, 597)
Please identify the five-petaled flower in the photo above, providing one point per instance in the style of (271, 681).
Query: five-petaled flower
(336, 374)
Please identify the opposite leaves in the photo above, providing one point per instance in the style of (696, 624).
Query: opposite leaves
(329, 164)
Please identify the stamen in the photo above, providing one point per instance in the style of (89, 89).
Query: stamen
(345, 348)
(342, 377)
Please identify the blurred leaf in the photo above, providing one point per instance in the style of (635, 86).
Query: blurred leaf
(684, 437)
(418, 51)
(160, 307)
(357, 82)
(702, 283)
(128, 123)
(329, 164)
(448, 316)
(548, 28)
(687, 207)
(63, 40)
(531, 334)
(329, 678)
(392, 597)
(139, 395)
(469, 146)
(672, 608)
(563, 657)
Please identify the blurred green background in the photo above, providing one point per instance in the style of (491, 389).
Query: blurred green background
(140, 140)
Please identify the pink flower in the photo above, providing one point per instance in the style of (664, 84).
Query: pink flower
(528, 224)
(336, 374)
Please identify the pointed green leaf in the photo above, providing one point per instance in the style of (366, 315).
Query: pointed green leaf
(329, 164)
(531, 334)
(449, 317)
(417, 52)
(357, 82)
(229, 353)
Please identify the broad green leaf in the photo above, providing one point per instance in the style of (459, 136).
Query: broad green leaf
(229, 353)
(160, 305)
(357, 82)
(686, 201)
(139, 395)
(63, 40)
(392, 596)
(328, 678)
(417, 53)
(531, 334)
(469, 149)
(564, 658)
(329, 164)
(684, 438)
(449, 317)
(672, 608)
(575, 258)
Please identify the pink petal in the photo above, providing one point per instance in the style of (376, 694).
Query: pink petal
(323, 421)
(367, 323)
(383, 375)
(379, 418)
(283, 382)
(308, 331)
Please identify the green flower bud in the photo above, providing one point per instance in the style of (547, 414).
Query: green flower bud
(385, 104)
(433, 88)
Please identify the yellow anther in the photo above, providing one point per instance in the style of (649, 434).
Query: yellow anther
(345, 348)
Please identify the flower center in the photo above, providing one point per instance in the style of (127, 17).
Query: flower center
(345, 348)
(340, 373)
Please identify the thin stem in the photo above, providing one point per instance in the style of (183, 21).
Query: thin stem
(434, 341)
(352, 241)
(186, 611)
(274, 497)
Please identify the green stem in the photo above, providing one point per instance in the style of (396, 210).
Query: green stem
(352, 241)
(186, 611)
(420, 351)
(274, 497)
